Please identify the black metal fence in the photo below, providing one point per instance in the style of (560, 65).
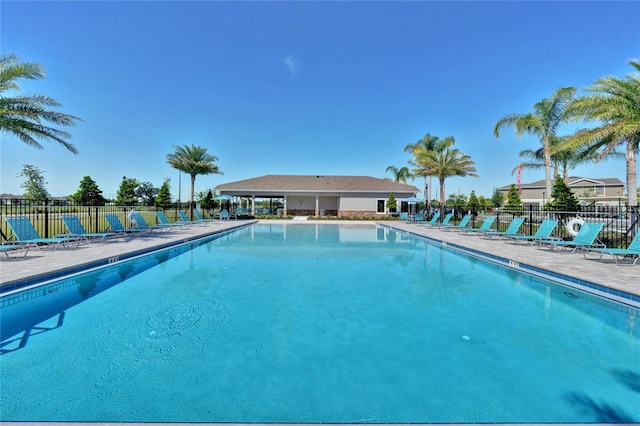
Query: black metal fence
(620, 223)
(46, 216)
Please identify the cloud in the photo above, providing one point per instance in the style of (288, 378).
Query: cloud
(291, 64)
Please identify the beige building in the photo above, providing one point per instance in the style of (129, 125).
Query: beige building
(306, 195)
(590, 191)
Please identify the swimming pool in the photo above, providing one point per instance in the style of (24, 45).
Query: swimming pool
(316, 323)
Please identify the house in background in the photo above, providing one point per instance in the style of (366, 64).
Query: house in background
(589, 191)
(303, 195)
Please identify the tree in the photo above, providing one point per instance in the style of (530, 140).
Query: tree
(514, 202)
(399, 175)
(126, 194)
(194, 161)
(426, 144)
(88, 193)
(497, 198)
(22, 116)
(392, 204)
(446, 163)
(615, 104)
(34, 186)
(163, 198)
(563, 198)
(147, 193)
(544, 121)
(562, 159)
(474, 203)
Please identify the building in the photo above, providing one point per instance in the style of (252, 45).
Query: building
(302, 195)
(589, 191)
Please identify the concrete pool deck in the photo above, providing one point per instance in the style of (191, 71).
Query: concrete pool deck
(40, 264)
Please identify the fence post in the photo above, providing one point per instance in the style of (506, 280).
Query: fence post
(530, 219)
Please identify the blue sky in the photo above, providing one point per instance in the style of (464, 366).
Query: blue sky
(319, 88)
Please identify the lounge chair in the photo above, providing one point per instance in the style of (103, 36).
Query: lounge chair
(141, 223)
(15, 248)
(185, 219)
(202, 219)
(436, 224)
(25, 233)
(587, 238)
(76, 229)
(116, 226)
(512, 229)
(543, 233)
(403, 217)
(462, 225)
(164, 221)
(486, 226)
(433, 220)
(619, 254)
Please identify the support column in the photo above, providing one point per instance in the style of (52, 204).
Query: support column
(284, 210)
(317, 213)
(253, 205)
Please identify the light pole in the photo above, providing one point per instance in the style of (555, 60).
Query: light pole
(179, 190)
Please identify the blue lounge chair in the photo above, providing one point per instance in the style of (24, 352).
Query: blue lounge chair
(433, 220)
(462, 225)
(543, 233)
(512, 229)
(619, 254)
(116, 226)
(25, 233)
(587, 238)
(185, 219)
(486, 226)
(14, 249)
(141, 223)
(164, 221)
(76, 229)
(202, 219)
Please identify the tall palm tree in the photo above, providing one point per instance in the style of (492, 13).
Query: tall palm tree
(22, 115)
(562, 159)
(194, 161)
(615, 103)
(427, 143)
(544, 121)
(399, 174)
(445, 164)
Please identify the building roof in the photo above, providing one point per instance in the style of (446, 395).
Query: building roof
(573, 181)
(287, 184)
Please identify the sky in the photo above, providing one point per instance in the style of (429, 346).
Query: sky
(303, 87)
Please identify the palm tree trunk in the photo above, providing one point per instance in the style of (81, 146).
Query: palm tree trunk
(632, 177)
(442, 198)
(546, 149)
(193, 186)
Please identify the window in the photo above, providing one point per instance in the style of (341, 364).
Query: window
(381, 206)
(599, 191)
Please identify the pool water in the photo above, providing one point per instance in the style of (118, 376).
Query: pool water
(316, 323)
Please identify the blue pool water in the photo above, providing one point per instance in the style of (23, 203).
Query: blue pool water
(316, 323)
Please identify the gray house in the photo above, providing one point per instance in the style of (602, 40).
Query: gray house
(304, 195)
(590, 191)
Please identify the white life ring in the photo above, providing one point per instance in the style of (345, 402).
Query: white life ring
(131, 219)
(571, 226)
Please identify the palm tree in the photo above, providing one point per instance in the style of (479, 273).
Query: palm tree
(615, 103)
(194, 161)
(547, 116)
(445, 164)
(399, 174)
(427, 143)
(22, 116)
(562, 159)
